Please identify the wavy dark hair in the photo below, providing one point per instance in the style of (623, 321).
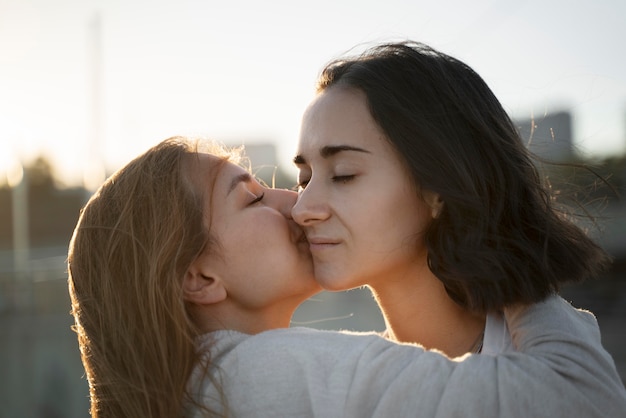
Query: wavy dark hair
(500, 238)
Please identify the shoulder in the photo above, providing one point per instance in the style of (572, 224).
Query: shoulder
(228, 340)
(301, 348)
(497, 338)
(298, 371)
(309, 342)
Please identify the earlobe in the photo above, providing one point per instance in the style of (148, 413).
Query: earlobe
(434, 201)
(201, 289)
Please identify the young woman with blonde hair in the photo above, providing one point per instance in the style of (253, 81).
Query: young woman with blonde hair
(184, 272)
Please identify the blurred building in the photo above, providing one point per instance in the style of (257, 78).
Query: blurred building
(549, 136)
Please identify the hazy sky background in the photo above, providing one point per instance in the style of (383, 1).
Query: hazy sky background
(243, 71)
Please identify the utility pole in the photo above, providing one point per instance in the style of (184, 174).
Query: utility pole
(94, 172)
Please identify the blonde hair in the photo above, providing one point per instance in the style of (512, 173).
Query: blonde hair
(133, 243)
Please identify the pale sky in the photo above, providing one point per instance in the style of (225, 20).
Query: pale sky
(243, 71)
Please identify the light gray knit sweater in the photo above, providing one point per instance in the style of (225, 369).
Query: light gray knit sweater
(559, 370)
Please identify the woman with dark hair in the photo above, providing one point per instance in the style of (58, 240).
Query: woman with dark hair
(415, 182)
(184, 272)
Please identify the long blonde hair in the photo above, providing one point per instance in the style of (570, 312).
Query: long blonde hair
(132, 245)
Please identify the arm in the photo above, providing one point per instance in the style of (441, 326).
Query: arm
(571, 347)
(561, 370)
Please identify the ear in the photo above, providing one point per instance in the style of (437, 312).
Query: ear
(202, 288)
(434, 201)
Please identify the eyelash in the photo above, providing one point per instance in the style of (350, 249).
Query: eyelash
(343, 179)
(335, 179)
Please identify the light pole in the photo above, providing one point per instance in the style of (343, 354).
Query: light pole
(18, 183)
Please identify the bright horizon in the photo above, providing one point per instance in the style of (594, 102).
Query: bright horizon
(243, 72)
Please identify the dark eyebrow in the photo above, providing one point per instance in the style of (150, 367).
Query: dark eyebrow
(244, 177)
(329, 151)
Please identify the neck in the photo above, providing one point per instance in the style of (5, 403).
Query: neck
(227, 316)
(417, 309)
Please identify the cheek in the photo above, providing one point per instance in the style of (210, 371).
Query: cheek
(405, 220)
(269, 235)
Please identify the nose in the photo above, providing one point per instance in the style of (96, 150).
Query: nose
(309, 208)
(283, 200)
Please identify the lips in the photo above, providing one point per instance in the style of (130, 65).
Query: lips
(321, 243)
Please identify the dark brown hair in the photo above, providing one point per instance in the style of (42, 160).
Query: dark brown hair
(500, 238)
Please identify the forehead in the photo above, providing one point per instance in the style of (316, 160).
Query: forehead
(337, 103)
(210, 172)
(339, 115)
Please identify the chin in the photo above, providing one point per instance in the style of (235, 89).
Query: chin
(328, 277)
(334, 284)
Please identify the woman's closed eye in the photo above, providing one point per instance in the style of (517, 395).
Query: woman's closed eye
(257, 199)
(343, 179)
(335, 179)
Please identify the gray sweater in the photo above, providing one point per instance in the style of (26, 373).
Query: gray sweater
(559, 370)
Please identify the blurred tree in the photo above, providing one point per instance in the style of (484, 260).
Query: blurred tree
(52, 212)
(40, 174)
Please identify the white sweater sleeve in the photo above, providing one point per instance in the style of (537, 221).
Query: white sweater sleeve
(561, 370)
